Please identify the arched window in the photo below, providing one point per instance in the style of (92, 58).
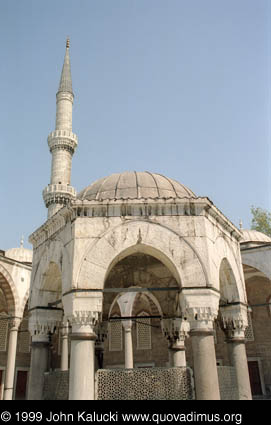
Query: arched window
(115, 335)
(143, 331)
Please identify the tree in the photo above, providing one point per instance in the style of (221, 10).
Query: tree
(261, 220)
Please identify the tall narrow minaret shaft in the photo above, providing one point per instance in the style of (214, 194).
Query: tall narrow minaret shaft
(62, 143)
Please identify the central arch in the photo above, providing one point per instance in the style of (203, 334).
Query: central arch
(139, 236)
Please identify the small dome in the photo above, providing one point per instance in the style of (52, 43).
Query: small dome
(135, 185)
(254, 237)
(21, 254)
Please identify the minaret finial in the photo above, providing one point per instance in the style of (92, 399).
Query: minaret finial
(68, 43)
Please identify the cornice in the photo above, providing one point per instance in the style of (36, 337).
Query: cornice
(145, 208)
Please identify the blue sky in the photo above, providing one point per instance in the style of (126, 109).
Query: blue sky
(179, 87)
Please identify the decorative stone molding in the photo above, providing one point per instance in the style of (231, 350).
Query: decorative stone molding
(52, 225)
(233, 320)
(175, 329)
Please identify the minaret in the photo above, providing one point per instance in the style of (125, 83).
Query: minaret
(62, 144)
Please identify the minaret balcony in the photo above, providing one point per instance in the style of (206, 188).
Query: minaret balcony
(62, 139)
(58, 193)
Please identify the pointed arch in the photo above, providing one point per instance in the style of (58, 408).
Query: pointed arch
(8, 286)
(228, 286)
(231, 252)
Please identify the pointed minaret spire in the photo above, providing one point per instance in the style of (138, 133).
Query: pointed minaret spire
(65, 84)
(62, 143)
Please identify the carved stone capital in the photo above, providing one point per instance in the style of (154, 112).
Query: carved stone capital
(201, 317)
(175, 329)
(200, 307)
(233, 320)
(84, 321)
(43, 322)
(78, 304)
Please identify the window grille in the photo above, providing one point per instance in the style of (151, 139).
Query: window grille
(115, 335)
(3, 333)
(24, 338)
(143, 331)
(249, 334)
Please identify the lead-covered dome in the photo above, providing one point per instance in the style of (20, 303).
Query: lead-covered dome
(135, 185)
(23, 255)
(254, 237)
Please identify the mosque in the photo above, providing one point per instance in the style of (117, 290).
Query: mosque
(137, 289)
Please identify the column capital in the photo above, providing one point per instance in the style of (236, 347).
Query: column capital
(14, 323)
(83, 310)
(233, 320)
(84, 321)
(64, 328)
(43, 321)
(200, 307)
(175, 330)
(127, 325)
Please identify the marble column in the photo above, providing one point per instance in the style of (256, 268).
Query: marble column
(128, 344)
(38, 365)
(11, 358)
(205, 368)
(82, 360)
(64, 346)
(41, 324)
(200, 306)
(178, 354)
(233, 320)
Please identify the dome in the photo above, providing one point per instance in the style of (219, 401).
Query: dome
(254, 237)
(21, 254)
(135, 185)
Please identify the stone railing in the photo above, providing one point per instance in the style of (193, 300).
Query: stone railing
(145, 384)
(142, 384)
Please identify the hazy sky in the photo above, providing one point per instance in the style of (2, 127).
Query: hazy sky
(178, 87)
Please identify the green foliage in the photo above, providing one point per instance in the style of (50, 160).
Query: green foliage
(261, 220)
